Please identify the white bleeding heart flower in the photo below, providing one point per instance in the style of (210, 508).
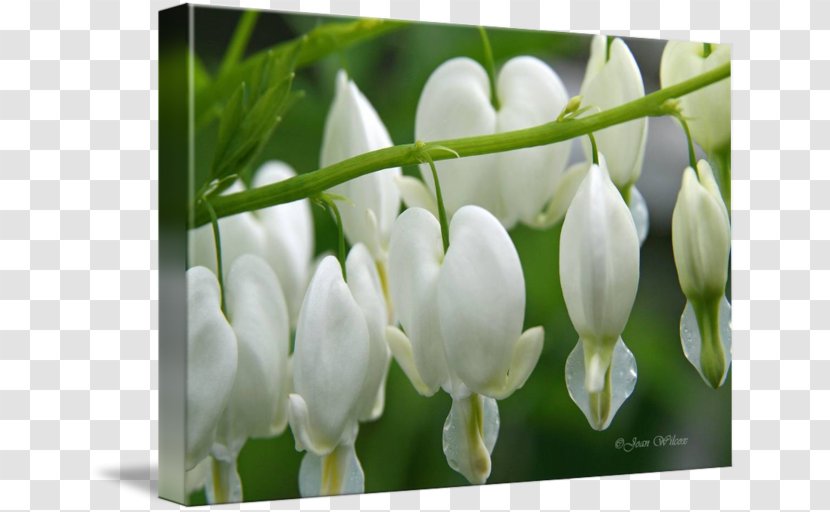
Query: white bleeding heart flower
(455, 102)
(707, 111)
(282, 235)
(254, 340)
(211, 363)
(599, 267)
(701, 243)
(353, 127)
(340, 364)
(612, 78)
(463, 313)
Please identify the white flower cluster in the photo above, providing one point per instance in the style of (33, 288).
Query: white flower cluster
(449, 307)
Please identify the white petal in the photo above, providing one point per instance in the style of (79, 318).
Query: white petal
(331, 357)
(599, 260)
(470, 434)
(415, 255)
(415, 194)
(531, 94)
(259, 318)
(607, 85)
(289, 237)
(339, 472)
(526, 354)
(455, 102)
(401, 348)
(481, 299)
(701, 236)
(565, 191)
(211, 362)
(364, 284)
(353, 127)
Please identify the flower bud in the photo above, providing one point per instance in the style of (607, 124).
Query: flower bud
(700, 235)
(701, 243)
(707, 110)
(353, 127)
(612, 78)
(331, 358)
(599, 266)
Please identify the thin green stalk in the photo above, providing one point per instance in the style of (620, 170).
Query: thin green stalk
(707, 49)
(490, 64)
(315, 182)
(341, 238)
(239, 41)
(608, 41)
(594, 150)
(442, 212)
(691, 144)
(217, 244)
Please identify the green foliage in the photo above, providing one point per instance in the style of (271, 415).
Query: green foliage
(252, 113)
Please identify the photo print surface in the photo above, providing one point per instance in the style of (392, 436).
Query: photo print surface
(406, 255)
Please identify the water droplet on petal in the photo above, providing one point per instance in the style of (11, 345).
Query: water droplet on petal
(690, 335)
(623, 379)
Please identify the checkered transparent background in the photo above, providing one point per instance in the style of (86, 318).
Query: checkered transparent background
(79, 268)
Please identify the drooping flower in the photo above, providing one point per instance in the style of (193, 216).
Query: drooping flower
(612, 78)
(599, 271)
(282, 235)
(455, 102)
(237, 364)
(463, 313)
(340, 366)
(707, 110)
(353, 127)
(701, 243)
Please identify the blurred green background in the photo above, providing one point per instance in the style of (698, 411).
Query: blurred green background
(543, 434)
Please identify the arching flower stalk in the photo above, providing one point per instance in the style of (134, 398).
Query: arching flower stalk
(340, 365)
(612, 78)
(599, 269)
(353, 127)
(701, 240)
(281, 235)
(456, 102)
(462, 313)
(238, 368)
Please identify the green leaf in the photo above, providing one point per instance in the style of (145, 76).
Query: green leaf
(315, 45)
(252, 113)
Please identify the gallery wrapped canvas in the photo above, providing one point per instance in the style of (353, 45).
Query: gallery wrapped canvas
(401, 255)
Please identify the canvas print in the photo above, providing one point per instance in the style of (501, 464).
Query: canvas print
(402, 255)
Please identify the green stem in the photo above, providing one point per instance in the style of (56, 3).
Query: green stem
(490, 64)
(217, 243)
(341, 239)
(707, 49)
(608, 41)
(239, 41)
(315, 182)
(594, 150)
(691, 145)
(442, 212)
(723, 168)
